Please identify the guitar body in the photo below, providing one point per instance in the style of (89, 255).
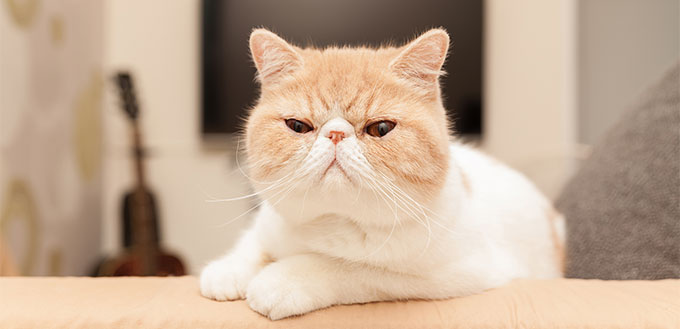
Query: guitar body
(132, 264)
(128, 210)
(143, 255)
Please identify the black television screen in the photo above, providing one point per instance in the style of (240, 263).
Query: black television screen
(228, 82)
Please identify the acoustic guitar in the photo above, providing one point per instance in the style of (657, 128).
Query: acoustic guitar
(143, 254)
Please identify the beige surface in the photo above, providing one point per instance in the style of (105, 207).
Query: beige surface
(175, 303)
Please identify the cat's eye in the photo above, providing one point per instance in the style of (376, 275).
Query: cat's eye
(380, 128)
(298, 126)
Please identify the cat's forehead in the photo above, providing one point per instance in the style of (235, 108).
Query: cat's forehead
(333, 58)
(348, 80)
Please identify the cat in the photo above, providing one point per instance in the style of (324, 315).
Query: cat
(367, 197)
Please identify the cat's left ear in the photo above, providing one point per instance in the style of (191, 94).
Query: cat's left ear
(274, 57)
(421, 60)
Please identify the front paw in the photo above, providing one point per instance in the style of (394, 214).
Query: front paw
(277, 292)
(225, 280)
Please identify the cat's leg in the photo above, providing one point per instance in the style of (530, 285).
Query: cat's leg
(227, 278)
(303, 283)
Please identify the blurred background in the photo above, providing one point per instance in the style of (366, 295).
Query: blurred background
(533, 82)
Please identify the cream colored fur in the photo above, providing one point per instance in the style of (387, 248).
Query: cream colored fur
(408, 215)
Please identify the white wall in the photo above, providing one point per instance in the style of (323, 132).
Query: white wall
(530, 87)
(159, 42)
(624, 46)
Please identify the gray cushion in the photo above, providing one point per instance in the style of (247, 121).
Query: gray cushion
(623, 205)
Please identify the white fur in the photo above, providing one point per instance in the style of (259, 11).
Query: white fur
(346, 234)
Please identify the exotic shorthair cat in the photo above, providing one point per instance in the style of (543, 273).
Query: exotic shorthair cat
(367, 198)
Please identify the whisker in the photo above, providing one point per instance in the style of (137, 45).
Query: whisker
(238, 164)
(394, 196)
(304, 199)
(261, 202)
(400, 194)
(433, 215)
(212, 200)
(389, 236)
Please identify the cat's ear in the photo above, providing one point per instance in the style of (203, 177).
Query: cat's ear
(421, 60)
(273, 56)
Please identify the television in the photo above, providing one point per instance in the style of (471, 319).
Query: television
(228, 74)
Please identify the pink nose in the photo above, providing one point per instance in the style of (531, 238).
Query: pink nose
(336, 136)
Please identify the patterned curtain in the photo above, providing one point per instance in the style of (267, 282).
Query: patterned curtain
(50, 136)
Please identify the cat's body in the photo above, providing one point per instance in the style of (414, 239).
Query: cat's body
(366, 198)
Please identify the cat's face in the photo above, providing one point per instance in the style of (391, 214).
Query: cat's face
(341, 120)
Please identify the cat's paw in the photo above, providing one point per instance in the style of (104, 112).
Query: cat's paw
(277, 293)
(223, 280)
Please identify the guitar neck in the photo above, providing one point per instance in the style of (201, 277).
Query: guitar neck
(138, 156)
(144, 242)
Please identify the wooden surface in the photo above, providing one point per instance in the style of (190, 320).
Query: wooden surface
(176, 303)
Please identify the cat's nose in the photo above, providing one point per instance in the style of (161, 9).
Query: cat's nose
(336, 136)
(336, 130)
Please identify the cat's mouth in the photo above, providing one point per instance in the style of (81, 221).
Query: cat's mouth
(335, 166)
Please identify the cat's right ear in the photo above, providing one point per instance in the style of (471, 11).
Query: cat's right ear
(421, 60)
(274, 57)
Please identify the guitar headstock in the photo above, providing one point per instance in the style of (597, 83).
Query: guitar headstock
(128, 97)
